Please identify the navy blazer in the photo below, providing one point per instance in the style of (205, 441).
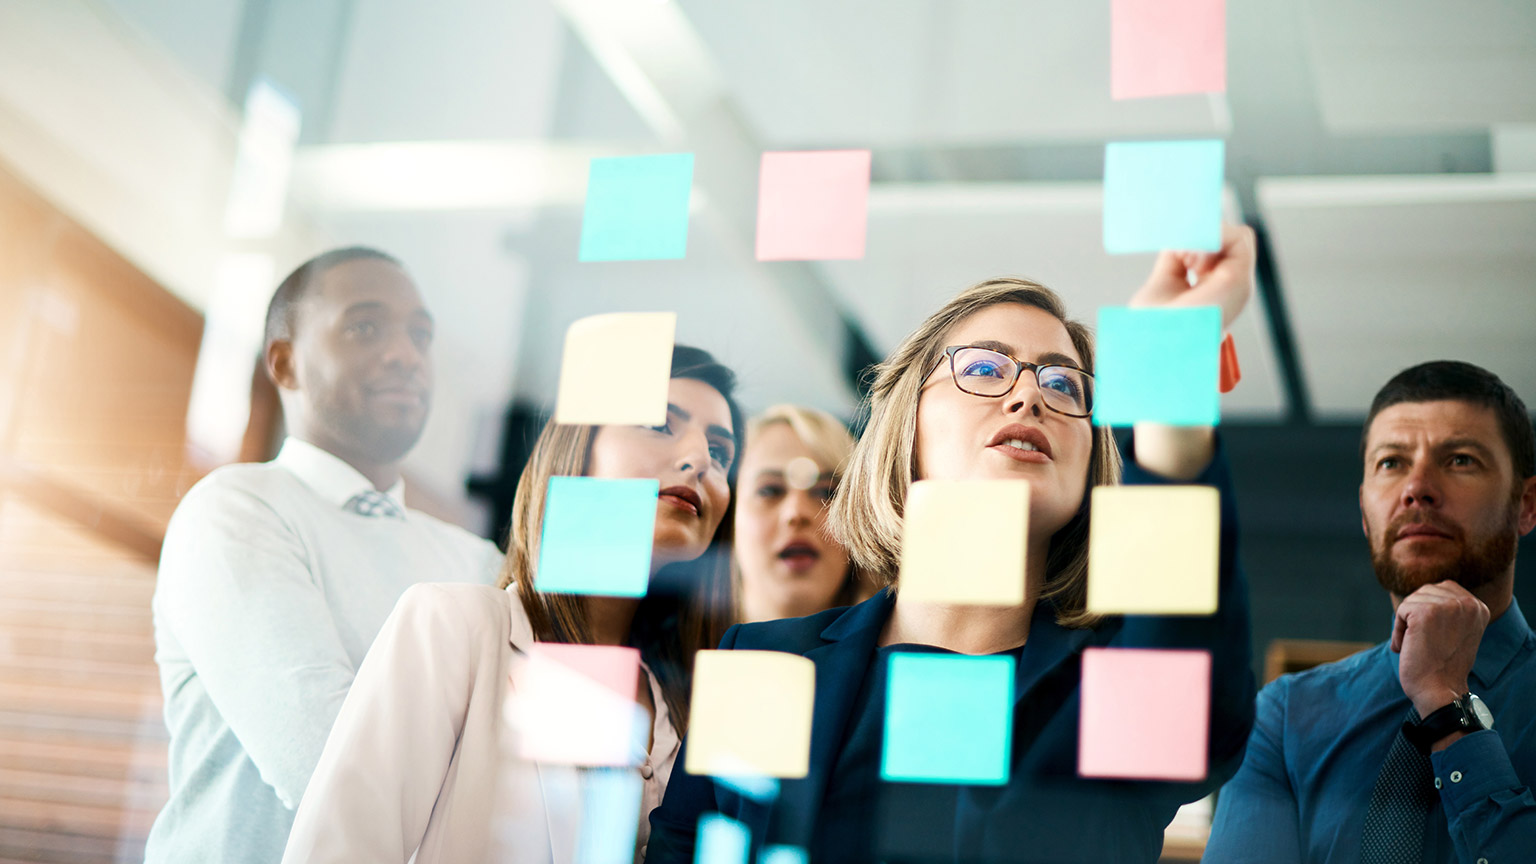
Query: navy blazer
(1045, 813)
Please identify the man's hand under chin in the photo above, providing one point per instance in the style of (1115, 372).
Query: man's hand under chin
(1436, 634)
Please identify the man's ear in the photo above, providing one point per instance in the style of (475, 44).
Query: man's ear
(1528, 506)
(1364, 528)
(279, 361)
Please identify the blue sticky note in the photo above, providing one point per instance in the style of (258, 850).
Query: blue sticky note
(597, 536)
(610, 816)
(783, 855)
(948, 719)
(637, 208)
(1163, 195)
(1158, 365)
(722, 840)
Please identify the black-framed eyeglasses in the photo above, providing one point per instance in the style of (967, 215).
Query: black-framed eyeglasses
(992, 374)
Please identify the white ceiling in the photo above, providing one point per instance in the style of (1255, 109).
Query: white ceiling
(1381, 273)
(1414, 65)
(454, 134)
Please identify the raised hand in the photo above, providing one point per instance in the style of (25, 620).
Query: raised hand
(1223, 278)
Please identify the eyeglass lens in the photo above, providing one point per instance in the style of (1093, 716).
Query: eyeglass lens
(988, 373)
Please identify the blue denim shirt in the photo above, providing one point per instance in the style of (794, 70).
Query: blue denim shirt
(1321, 737)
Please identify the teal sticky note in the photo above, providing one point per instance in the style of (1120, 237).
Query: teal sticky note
(722, 840)
(783, 855)
(637, 208)
(1158, 365)
(1163, 195)
(610, 815)
(597, 536)
(948, 719)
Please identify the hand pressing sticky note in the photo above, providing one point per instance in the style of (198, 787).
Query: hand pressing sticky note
(948, 719)
(813, 206)
(597, 536)
(722, 840)
(1152, 550)
(615, 369)
(1167, 47)
(1158, 365)
(637, 208)
(575, 705)
(1145, 714)
(751, 714)
(963, 541)
(1163, 195)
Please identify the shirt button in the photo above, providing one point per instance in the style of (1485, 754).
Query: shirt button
(1437, 782)
(1455, 776)
(647, 771)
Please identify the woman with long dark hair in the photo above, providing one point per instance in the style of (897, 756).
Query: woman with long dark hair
(415, 765)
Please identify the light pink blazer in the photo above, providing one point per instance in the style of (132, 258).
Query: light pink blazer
(414, 764)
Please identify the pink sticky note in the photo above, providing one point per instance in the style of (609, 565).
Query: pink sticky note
(1146, 714)
(575, 704)
(1167, 47)
(813, 206)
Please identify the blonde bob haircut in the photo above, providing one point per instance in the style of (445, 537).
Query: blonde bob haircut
(866, 514)
(831, 443)
(823, 434)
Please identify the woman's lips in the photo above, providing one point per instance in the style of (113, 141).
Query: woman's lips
(682, 498)
(1014, 453)
(799, 557)
(680, 503)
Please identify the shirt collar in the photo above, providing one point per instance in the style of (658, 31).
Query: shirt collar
(1502, 640)
(328, 475)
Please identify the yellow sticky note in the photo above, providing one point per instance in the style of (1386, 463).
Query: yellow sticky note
(1152, 550)
(751, 714)
(615, 369)
(963, 541)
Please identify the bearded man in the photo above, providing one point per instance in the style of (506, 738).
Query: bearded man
(1392, 755)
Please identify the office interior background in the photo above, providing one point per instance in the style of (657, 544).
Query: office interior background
(163, 163)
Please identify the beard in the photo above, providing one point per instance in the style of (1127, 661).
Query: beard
(1481, 560)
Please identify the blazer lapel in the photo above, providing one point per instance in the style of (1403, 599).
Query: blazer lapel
(841, 665)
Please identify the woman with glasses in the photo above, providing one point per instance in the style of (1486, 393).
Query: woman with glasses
(787, 565)
(996, 385)
(416, 765)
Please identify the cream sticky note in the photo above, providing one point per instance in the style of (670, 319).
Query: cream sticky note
(963, 541)
(575, 705)
(615, 369)
(1152, 550)
(1145, 714)
(751, 714)
(813, 205)
(1167, 47)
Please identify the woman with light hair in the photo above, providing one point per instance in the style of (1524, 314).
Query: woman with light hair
(996, 385)
(786, 564)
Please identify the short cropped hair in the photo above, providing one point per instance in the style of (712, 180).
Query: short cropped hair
(282, 312)
(1441, 380)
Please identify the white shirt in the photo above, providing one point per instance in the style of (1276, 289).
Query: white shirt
(269, 594)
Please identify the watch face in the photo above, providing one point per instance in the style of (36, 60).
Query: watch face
(1481, 712)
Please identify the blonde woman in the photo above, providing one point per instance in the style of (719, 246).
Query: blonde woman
(413, 767)
(787, 565)
(997, 384)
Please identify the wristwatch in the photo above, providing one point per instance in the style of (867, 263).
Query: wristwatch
(1467, 713)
